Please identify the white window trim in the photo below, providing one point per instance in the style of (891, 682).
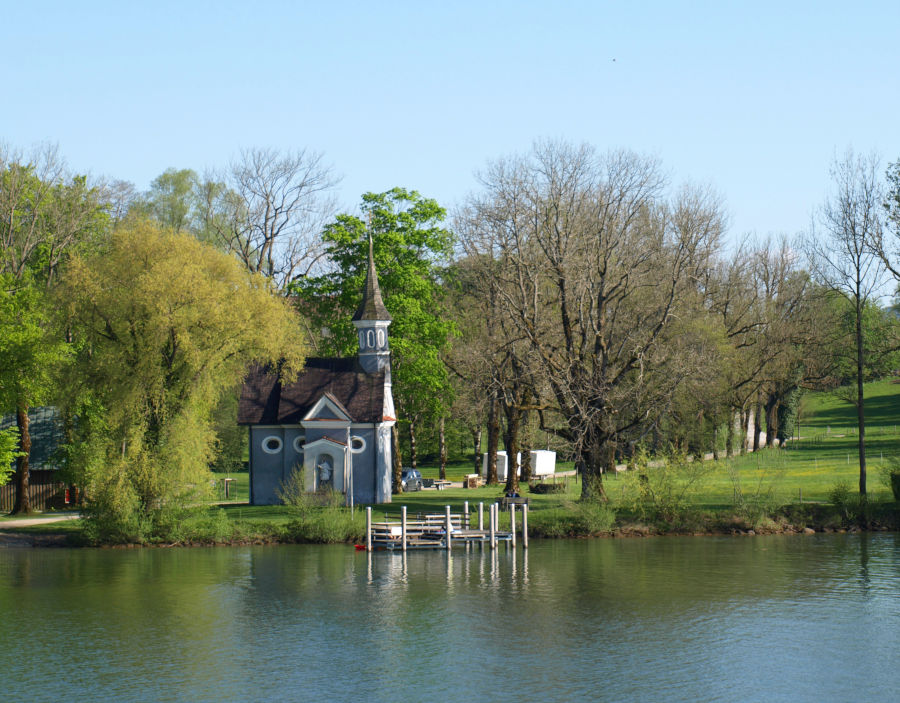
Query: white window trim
(298, 443)
(362, 442)
(265, 442)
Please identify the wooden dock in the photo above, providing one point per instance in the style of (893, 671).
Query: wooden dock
(444, 531)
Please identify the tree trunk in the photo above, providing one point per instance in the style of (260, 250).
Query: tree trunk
(729, 436)
(860, 407)
(757, 426)
(745, 429)
(771, 419)
(715, 443)
(413, 454)
(476, 441)
(397, 461)
(513, 418)
(23, 501)
(526, 462)
(592, 464)
(493, 439)
(442, 449)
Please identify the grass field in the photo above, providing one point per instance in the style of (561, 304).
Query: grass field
(809, 467)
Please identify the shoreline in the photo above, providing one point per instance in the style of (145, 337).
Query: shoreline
(17, 539)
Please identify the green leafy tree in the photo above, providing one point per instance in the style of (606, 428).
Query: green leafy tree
(44, 215)
(165, 325)
(173, 199)
(9, 452)
(411, 250)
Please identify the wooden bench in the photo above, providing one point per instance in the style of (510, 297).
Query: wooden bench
(505, 502)
(441, 484)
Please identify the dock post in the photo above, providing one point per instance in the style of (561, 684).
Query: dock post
(369, 529)
(448, 525)
(493, 525)
(481, 516)
(525, 526)
(403, 527)
(465, 524)
(512, 523)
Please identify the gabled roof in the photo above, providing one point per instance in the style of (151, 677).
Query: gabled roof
(327, 403)
(372, 306)
(265, 400)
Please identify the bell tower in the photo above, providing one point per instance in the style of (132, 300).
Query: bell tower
(371, 321)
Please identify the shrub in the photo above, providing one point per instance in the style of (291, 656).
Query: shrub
(761, 501)
(848, 503)
(546, 488)
(660, 490)
(593, 517)
(890, 475)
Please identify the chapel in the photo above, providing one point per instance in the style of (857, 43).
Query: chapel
(333, 423)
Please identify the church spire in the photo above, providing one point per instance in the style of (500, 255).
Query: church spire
(371, 321)
(372, 306)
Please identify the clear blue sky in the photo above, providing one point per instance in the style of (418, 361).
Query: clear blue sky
(753, 98)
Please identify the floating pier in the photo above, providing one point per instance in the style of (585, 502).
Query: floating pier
(444, 530)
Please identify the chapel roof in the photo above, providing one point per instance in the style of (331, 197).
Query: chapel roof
(265, 400)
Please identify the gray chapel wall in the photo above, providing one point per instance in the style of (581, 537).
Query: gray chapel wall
(364, 467)
(271, 470)
(267, 470)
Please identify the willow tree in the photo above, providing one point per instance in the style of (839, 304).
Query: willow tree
(165, 325)
(598, 272)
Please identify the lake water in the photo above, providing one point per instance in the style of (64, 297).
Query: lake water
(783, 618)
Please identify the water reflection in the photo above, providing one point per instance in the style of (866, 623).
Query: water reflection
(676, 619)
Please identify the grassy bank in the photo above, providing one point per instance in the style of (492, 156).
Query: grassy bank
(809, 484)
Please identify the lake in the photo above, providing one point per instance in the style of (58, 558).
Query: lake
(780, 618)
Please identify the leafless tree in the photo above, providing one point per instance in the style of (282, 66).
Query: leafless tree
(272, 210)
(841, 256)
(595, 269)
(28, 183)
(888, 247)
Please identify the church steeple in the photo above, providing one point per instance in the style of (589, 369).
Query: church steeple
(371, 321)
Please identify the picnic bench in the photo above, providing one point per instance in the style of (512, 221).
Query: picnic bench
(506, 501)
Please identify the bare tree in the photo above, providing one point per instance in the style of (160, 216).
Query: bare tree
(26, 192)
(842, 258)
(272, 211)
(596, 271)
(888, 248)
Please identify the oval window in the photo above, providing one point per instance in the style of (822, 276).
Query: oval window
(298, 443)
(362, 339)
(370, 338)
(357, 444)
(381, 338)
(271, 444)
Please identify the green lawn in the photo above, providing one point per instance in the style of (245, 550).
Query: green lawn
(824, 455)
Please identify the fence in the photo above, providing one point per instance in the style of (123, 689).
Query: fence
(43, 490)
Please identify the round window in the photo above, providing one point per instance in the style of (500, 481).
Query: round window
(357, 444)
(271, 444)
(298, 443)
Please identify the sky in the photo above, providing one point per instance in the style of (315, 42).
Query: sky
(754, 99)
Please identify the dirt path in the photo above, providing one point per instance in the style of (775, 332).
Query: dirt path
(11, 539)
(30, 521)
